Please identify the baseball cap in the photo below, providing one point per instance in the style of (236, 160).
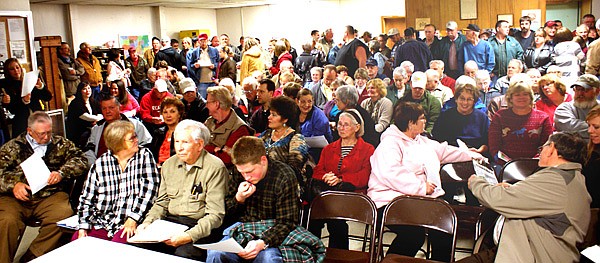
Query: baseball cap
(473, 27)
(451, 25)
(393, 32)
(418, 79)
(202, 36)
(371, 62)
(550, 23)
(187, 84)
(587, 81)
(160, 85)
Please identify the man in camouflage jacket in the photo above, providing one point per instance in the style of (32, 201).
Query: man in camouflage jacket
(49, 205)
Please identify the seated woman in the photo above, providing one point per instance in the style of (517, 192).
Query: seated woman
(129, 106)
(520, 129)
(347, 98)
(119, 188)
(330, 109)
(553, 93)
(83, 113)
(163, 144)
(408, 163)
(343, 75)
(282, 138)
(313, 121)
(378, 105)
(345, 160)
(463, 121)
(591, 170)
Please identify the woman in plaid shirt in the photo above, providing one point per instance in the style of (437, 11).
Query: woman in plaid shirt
(120, 186)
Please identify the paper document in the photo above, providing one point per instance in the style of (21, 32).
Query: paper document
(592, 253)
(70, 222)
(461, 144)
(485, 172)
(229, 245)
(36, 172)
(158, 231)
(316, 141)
(29, 81)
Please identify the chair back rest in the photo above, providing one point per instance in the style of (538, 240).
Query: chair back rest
(456, 172)
(431, 213)
(518, 169)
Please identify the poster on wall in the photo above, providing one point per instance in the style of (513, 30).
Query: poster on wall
(18, 50)
(16, 29)
(3, 47)
(536, 17)
(140, 43)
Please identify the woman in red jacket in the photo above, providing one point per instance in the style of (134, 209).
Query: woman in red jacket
(345, 160)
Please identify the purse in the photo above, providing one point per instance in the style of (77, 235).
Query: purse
(315, 187)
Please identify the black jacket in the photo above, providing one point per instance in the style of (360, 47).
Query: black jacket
(171, 56)
(542, 61)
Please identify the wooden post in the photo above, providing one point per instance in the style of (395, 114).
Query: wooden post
(49, 45)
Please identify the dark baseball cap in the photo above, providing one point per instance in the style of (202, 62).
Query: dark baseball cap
(473, 27)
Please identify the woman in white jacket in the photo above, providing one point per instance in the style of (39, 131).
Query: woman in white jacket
(407, 163)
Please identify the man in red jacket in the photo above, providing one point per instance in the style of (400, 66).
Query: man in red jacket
(150, 105)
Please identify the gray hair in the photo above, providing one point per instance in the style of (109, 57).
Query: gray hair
(471, 64)
(151, 72)
(482, 75)
(250, 81)
(518, 61)
(353, 114)
(38, 117)
(348, 95)
(197, 130)
(436, 61)
(409, 65)
(400, 71)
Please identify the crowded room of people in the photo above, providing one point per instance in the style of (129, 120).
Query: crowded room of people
(370, 131)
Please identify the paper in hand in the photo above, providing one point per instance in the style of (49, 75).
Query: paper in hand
(36, 172)
(29, 81)
(158, 231)
(228, 245)
(485, 172)
(461, 144)
(316, 141)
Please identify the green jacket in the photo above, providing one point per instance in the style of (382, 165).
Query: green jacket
(513, 50)
(61, 155)
(431, 105)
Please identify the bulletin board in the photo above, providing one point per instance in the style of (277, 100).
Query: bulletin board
(16, 38)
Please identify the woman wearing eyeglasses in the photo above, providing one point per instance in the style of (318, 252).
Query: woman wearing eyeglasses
(463, 121)
(119, 188)
(344, 161)
(553, 92)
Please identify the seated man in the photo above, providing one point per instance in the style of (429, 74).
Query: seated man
(150, 105)
(547, 214)
(225, 126)
(51, 203)
(268, 190)
(202, 209)
(570, 116)
(110, 107)
(419, 94)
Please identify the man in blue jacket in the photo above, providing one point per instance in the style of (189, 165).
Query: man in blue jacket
(202, 63)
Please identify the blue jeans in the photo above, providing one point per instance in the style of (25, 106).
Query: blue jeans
(268, 255)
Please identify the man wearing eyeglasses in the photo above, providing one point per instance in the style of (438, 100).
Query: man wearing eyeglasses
(570, 116)
(50, 204)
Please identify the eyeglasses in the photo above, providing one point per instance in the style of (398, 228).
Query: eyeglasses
(133, 138)
(42, 134)
(345, 125)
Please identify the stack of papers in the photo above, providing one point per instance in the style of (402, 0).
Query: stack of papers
(158, 231)
(228, 245)
(485, 172)
(70, 223)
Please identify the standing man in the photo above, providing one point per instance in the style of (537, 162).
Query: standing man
(259, 119)
(479, 51)
(327, 41)
(570, 116)
(589, 20)
(139, 68)
(169, 54)
(414, 51)
(525, 36)
(353, 54)
(550, 28)
(202, 63)
(224, 41)
(383, 48)
(547, 213)
(92, 67)
(449, 50)
(150, 53)
(202, 208)
(505, 48)
(430, 38)
(70, 71)
(51, 203)
(266, 190)
(394, 35)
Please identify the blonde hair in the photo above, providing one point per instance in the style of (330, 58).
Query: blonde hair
(222, 95)
(114, 135)
(518, 87)
(379, 85)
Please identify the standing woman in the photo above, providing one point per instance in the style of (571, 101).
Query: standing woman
(282, 53)
(226, 68)
(378, 105)
(129, 105)
(83, 113)
(567, 55)
(539, 54)
(345, 160)
(116, 67)
(282, 139)
(12, 100)
(591, 170)
(119, 189)
(163, 143)
(251, 59)
(552, 93)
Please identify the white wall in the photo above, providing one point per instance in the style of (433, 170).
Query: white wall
(15, 5)
(177, 19)
(50, 20)
(295, 19)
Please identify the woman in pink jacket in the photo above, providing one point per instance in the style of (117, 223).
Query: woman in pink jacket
(408, 163)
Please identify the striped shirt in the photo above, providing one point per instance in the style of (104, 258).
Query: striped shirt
(110, 195)
(345, 151)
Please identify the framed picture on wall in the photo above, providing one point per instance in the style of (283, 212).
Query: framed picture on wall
(507, 17)
(420, 23)
(468, 9)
